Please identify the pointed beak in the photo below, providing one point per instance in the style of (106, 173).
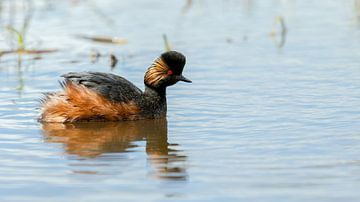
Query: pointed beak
(182, 78)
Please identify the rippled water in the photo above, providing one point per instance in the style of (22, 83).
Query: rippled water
(263, 120)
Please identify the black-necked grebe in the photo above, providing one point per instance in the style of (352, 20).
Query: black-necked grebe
(95, 96)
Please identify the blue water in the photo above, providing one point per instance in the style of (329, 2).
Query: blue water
(260, 122)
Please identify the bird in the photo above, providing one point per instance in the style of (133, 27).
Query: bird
(97, 96)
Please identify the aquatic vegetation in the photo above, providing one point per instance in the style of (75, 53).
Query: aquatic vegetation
(279, 20)
(20, 37)
(167, 45)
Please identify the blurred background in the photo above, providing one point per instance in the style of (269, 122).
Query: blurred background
(272, 113)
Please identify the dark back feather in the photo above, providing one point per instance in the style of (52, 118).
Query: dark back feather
(111, 86)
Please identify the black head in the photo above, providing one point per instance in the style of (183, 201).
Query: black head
(175, 61)
(166, 70)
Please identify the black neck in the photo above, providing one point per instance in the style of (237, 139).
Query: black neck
(154, 102)
(157, 92)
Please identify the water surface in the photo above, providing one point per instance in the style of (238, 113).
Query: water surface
(268, 117)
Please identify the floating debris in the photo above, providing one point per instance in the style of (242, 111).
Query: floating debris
(187, 6)
(104, 39)
(113, 61)
(27, 52)
(37, 57)
(71, 61)
(229, 40)
(245, 38)
(168, 47)
(94, 55)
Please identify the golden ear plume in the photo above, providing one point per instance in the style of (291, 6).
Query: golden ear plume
(156, 72)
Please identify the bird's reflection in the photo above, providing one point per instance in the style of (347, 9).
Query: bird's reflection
(91, 140)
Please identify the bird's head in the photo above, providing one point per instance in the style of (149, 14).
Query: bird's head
(166, 70)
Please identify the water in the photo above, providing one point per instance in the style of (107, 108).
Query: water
(260, 122)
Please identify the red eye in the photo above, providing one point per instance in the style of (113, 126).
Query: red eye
(169, 72)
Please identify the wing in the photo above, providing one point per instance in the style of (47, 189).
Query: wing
(111, 86)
